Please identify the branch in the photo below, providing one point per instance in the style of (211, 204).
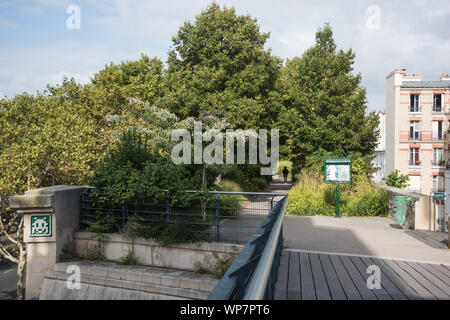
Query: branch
(19, 230)
(3, 230)
(5, 253)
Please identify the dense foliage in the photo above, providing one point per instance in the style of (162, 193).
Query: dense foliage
(311, 196)
(397, 180)
(324, 105)
(219, 62)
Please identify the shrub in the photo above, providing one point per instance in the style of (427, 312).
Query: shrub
(259, 183)
(311, 196)
(218, 267)
(231, 204)
(129, 259)
(397, 180)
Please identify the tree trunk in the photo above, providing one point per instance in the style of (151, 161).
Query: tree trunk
(20, 269)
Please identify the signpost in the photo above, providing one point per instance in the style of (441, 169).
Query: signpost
(337, 171)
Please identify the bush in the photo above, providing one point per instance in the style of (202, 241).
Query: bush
(231, 204)
(311, 196)
(131, 175)
(247, 176)
(397, 180)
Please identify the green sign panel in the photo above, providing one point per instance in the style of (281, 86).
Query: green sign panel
(439, 195)
(41, 225)
(338, 170)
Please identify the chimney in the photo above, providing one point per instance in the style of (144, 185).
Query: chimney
(445, 77)
(412, 77)
(396, 76)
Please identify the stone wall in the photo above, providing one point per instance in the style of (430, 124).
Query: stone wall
(150, 253)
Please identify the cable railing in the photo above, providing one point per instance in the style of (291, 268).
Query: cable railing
(253, 274)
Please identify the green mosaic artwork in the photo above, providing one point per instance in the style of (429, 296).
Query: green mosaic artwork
(41, 225)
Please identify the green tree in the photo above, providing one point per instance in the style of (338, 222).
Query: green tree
(219, 62)
(397, 180)
(324, 105)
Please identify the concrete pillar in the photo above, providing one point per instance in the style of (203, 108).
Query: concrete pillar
(51, 216)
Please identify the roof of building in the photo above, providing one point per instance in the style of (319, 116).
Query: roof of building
(443, 84)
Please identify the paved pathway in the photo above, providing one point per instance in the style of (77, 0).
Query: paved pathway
(240, 229)
(318, 276)
(369, 236)
(8, 280)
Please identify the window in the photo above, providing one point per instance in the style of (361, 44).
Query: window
(437, 103)
(438, 184)
(414, 130)
(414, 183)
(415, 103)
(438, 156)
(438, 134)
(414, 157)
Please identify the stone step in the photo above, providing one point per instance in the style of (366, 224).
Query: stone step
(157, 281)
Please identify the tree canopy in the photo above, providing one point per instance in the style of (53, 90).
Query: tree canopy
(219, 62)
(324, 105)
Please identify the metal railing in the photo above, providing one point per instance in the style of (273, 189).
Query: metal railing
(416, 136)
(231, 217)
(415, 108)
(414, 163)
(438, 136)
(438, 163)
(438, 108)
(253, 274)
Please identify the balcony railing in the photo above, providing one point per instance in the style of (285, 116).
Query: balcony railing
(438, 136)
(415, 109)
(438, 108)
(415, 163)
(415, 136)
(438, 163)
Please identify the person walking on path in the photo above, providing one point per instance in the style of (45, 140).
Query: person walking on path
(285, 174)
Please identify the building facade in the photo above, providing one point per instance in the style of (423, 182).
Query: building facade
(417, 123)
(379, 163)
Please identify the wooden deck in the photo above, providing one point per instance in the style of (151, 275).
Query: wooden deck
(313, 276)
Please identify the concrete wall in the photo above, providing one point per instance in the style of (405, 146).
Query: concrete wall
(63, 204)
(419, 214)
(150, 253)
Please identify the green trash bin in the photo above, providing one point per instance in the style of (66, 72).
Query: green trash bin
(400, 207)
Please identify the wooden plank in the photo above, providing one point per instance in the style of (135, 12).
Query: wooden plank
(435, 272)
(293, 291)
(336, 291)
(347, 284)
(280, 291)
(442, 270)
(306, 278)
(357, 279)
(386, 283)
(399, 283)
(426, 283)
(424, 293)
(380, 293)
(320, 282)
(445, 287)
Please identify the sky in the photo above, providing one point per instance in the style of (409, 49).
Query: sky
(41, 42)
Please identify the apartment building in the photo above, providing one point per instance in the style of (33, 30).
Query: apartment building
(380, 151)
(417, 121)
